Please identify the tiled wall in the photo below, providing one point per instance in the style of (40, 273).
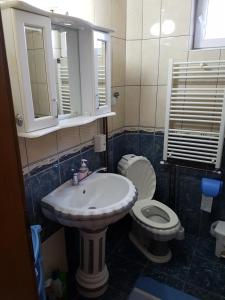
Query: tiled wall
(47, 161)
(150, 44)
(176, 186)
(141, 48)
(140, 52)
(151, 41)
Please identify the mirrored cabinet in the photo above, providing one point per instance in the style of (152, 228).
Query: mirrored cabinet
(59, 69)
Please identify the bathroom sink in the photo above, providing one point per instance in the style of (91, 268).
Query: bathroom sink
(99, 200)
(93, 204)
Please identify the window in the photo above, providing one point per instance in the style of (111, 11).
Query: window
(210, 24)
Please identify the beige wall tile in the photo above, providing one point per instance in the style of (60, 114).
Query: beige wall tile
(176, 17)
(82, 9)
(41, 148)
(110, 123)
(134, 19)
(133, 62)
(151, 18)
(68, 138)
(148, 106)
(132, 105)
(118, 62)
(161, 106)
(40, 66)
(150, 59)
(204, 54)
(43, 99)
(119, 109)
(99, 125)
(119, 12)
(52, 259)
(103, 11)
(87, 132)
(23, 152)
(173, 47)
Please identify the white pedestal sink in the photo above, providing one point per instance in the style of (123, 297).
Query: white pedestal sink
(98, 201)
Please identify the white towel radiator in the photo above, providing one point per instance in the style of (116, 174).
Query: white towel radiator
(64, 86)
(195, 112)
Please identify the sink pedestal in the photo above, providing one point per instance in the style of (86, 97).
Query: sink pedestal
(92, 275)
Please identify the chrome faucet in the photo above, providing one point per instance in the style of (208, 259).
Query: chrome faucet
(102, 169)
(75, 177)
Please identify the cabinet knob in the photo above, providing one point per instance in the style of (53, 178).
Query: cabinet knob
(19, 120)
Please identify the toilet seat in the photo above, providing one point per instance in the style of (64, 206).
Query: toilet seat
(141, 172)
(155, 214)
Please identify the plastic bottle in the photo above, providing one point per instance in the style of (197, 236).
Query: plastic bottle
(83, 171)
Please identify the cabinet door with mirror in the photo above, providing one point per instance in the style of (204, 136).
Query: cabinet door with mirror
(31, 36)
(102, 72)
(65, 46)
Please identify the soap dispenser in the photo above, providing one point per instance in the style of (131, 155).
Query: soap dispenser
(83, 171)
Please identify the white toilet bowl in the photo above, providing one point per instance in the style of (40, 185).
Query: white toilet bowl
(154, 223)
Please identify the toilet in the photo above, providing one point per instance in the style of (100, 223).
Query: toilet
(154, 223)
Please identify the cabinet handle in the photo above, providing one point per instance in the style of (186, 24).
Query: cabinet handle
(19, 120)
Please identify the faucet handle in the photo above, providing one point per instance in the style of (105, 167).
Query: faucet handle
(84, 162)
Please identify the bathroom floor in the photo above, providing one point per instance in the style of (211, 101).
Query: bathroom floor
(193, 269)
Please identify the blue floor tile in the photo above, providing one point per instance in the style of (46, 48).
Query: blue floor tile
(127, 249)
(110, 294)
(123, 273)
(184, 248)
(180, 263)
(201, 293)
(164, 278)
(207, 275)
(206, 249)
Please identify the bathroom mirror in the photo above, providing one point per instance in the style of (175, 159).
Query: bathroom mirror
(65, 46)
(37, 71)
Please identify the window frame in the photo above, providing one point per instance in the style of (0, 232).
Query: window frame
(198, 41)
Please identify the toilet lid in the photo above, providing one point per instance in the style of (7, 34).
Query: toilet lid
(141, 172)
(155, 214)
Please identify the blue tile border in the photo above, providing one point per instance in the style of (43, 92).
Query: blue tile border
(43, 180)
(186, 195)
(185, 192)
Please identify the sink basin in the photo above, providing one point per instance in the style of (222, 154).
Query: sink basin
(98, 201)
